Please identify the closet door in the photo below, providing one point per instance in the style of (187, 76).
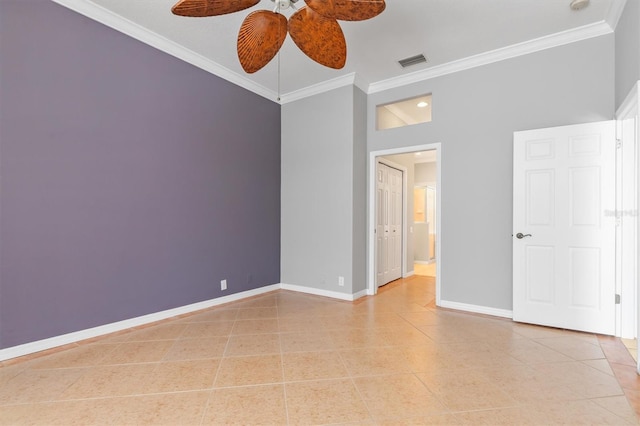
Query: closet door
(388, 224)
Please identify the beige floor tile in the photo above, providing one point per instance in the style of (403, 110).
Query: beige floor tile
(531, 352)
(249, 370)
(428, 358)
(574, 348)
(313, 366)
(111, 380)
(81, 356)
(374, 361)
(584, 412)
(290, 358)
(62, 413)
(408, 336)
(253, 344)
(468, 390)
(183, 375)
(207, 329)
(212, 315)
(38, 385)
(421, 318)
(538, 332)
(137, 352)
(258, 326)
(618, 405)
(257, 313)
(398, 397)
(306, 342)
(249, 405)
(505, 416)
(600, 365)
(184, 408)
(182, 349)
(165, 331)
(259, 302)
(582, 379)
(354, 338)
(324, 402)
(300, 324)
(436, 419)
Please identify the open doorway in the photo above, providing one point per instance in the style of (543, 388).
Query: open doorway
(417, 238)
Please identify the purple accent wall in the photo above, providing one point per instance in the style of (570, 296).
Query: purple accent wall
(131, 182)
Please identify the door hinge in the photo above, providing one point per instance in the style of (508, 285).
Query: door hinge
(617, 299)
(618, 143)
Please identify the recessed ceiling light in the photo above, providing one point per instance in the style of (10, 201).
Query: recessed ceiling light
(422, 104)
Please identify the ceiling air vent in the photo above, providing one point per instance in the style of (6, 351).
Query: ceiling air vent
(414, 60)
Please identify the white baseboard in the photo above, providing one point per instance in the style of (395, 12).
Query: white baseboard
(320, 292)
(503, 313)
(409, 274)
(65, 339)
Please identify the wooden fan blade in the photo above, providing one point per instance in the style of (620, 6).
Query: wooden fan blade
(318, 37)
(261, 36)
(201, 8)
(347, 10)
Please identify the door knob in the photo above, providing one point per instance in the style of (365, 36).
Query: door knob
(520, 235)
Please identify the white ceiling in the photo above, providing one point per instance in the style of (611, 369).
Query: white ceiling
(453, 34)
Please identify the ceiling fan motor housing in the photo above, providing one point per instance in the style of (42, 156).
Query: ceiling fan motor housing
(284, 4)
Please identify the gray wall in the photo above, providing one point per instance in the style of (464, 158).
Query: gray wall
(359, 219)
(627, 50)
(476, 113)
(322, 175)
(130, 182)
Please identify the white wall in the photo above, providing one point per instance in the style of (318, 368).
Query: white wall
(476, 113)
(324, 191)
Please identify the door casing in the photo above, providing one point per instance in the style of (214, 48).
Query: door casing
(372, 289)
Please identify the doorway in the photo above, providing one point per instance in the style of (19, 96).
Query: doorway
(407, 228)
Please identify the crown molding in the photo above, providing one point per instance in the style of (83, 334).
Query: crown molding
(118, 23)
(324, 86)
(513, 51)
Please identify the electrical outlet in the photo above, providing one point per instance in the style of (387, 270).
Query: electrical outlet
(341, 281)
(223, 285)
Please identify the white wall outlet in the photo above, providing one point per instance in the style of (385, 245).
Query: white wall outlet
(223, 285)
(341, 281)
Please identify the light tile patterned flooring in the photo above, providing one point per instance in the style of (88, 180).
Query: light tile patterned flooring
(287, 358)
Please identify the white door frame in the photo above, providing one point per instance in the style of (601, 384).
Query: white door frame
(372, 289)
(627, 211)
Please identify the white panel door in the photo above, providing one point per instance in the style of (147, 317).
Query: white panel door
(388, 224)
(563, 228)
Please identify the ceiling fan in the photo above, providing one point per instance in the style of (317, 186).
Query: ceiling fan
(313, 28)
